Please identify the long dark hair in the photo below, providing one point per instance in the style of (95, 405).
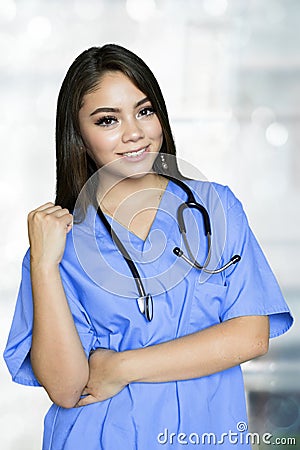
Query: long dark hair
(73, 165)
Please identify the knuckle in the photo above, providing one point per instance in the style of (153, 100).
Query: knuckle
(35, 215)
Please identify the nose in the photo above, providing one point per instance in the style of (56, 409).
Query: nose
(132, 130)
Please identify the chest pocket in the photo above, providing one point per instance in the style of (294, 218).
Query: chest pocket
(206, 307)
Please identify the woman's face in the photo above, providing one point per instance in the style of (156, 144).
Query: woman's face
(119, 126)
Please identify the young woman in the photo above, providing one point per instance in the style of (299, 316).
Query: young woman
(136, 347)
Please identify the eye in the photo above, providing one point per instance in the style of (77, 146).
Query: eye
(106, 121)
(147, 111)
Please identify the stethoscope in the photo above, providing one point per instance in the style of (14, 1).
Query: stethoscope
(145, 301)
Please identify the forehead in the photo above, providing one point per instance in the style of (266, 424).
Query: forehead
(114, 88)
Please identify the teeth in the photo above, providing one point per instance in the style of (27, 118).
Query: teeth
(133, 154)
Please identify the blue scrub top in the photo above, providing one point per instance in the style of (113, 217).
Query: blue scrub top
(205, 412)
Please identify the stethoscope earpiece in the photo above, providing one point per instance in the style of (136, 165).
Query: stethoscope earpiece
(178, 252)
(235, 259)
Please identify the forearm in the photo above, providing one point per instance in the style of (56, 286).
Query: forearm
(57, 356)
(199, 354)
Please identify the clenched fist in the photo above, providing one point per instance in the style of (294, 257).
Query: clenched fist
(48, 226)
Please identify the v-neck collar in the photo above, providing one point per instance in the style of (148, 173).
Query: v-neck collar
(121, 229)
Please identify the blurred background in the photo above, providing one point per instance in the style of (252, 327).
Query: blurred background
(230, 74)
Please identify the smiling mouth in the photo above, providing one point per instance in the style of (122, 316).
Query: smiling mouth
(134, 153)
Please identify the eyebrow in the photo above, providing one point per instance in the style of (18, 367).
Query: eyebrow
(117, 110)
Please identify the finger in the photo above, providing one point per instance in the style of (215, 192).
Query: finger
(63, 215)
(61, 212)
(65, 220)
(69, 227)
(44, 206)
(88, 400)
(53, 209)
(48, 208)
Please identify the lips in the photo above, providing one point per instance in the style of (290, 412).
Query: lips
(134, 153)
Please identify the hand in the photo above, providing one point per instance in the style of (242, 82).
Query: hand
(48, 226)
(105, 379)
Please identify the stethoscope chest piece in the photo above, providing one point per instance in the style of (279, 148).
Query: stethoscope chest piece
(145, 304)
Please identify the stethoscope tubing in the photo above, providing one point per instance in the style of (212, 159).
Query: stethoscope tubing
(145, 301)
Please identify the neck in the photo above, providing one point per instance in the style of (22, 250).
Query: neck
(114, 190)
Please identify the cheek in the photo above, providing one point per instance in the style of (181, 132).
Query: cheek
(155, 130)
(101, 141)
(159, 134)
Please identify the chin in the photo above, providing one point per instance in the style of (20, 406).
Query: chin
(136, 174)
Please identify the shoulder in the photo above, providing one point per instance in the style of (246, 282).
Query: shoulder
(211, 193)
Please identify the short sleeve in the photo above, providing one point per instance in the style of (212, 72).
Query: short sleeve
(17, 351)
(252, 288)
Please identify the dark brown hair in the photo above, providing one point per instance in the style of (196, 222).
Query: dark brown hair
(73, 165)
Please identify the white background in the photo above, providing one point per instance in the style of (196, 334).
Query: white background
(229, 71)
